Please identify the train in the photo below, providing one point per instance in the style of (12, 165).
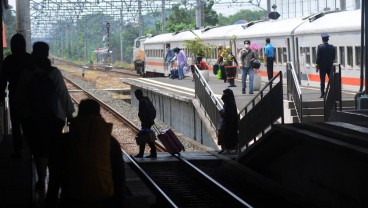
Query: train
(295, 40)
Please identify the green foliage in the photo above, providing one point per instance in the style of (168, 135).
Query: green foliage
(248, 15)
(9, 22)
(198, 47)
(180, 19)
(211, 16)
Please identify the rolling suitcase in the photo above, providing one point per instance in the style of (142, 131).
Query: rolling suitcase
(170, 141)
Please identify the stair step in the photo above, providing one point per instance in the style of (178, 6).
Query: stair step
(309, 119)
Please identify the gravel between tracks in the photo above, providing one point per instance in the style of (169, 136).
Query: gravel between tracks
(129, 111)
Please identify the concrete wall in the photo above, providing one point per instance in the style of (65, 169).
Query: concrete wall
(180, 113)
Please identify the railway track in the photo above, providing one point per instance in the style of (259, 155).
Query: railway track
(179, 183)
(115, 70)
(123, 129)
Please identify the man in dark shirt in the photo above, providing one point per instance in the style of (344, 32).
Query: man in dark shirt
(325, 57)
(11, 72)
(147, 115)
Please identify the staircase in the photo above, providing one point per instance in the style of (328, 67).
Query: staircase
(313, 110)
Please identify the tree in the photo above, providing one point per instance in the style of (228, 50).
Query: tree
(180, 19)
(211, 16)
(9, 23)
(131, 32)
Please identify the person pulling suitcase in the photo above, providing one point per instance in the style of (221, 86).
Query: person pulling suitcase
(147, 115)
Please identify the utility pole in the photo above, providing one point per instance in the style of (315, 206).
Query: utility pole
(121, 36)
(163, 16)
(24, 21)
(269, 6)
(140, 20)
(199, 14)
(357, 4)
(343, 4)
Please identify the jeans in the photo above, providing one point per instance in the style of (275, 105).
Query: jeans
(245, 71)
(180, 71)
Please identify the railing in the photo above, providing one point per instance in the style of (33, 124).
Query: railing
(5, 116)
(258, 116)
(293, 90)
(207, 97)
(333, 92)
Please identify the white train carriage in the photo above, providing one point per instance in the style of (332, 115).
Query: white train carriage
(295, 40)
(217, 36)
(344, 30)
(280, 33)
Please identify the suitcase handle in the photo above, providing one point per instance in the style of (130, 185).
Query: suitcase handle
(156, 129)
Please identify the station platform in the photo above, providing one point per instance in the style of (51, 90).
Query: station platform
(185, 88)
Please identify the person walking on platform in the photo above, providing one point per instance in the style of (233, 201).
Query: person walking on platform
(325, 56)
(49, 106)
(147, 115)
(181, 60)
(229, 123)
(94, 173)
(268, 58)
(12, 69)
(168, 58)
(246, 57)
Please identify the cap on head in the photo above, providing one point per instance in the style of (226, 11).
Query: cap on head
(220, 46)
(325, 35)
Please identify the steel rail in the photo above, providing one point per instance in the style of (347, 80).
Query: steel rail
(118, 115)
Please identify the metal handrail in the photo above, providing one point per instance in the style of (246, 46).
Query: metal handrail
(332, 97)
(263, 114)
(294, 90)
(207, 97)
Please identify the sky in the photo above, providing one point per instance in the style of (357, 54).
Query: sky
(282, 6)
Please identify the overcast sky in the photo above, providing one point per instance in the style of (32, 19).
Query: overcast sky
(282, 6)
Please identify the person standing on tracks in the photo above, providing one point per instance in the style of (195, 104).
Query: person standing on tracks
(49, 105)
(229, 124)
(181, 60)
(168, 58)
(269, 58)
(325, 57)
(147, 115)
(12, 69)
(246, 57)
(94, 173)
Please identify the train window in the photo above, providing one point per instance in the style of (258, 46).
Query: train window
(284, 54)
(357, 56)
(314, 55)
(307, 56)
(279, 56)
(342, 55)
(349, 56)
(137, 44)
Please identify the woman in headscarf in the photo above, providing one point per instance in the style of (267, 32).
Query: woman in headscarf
(229, 126)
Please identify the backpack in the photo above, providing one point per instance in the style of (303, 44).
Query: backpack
(43, 96)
